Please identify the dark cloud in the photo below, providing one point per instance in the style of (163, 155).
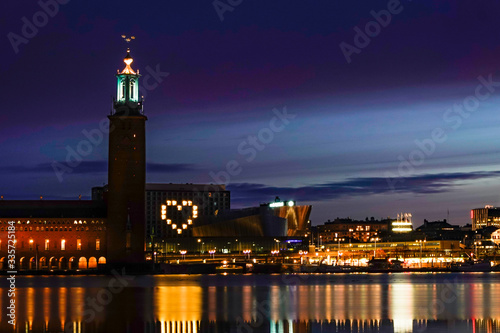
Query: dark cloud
(169, 167)
(92, 167)
(430, 184)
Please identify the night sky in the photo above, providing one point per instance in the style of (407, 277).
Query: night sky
(288, 96)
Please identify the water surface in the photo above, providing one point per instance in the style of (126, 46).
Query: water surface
(402, 302)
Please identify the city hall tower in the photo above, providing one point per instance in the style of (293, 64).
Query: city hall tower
(126, 171)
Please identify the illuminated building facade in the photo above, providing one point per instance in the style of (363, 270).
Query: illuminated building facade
(485, 217)
(402, 224)
(495, 237)
(277, 226)
(68, 234)
(183, 205)
(345, 229)
(297, 217)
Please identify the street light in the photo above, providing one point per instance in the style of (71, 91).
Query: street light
(212, 253)
(302, 258)
(420, 242)
(247, 252)
(183, 253)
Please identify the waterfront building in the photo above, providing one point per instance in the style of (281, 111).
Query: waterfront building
(277, 226)
(435, 253)
(495, 237)
(68, 234)
(402, 224)
(345, 229)
(485, 217)
(441, 230)
(184, 205)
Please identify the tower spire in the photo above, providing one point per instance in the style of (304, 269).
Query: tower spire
(128, 60)
(127, 100)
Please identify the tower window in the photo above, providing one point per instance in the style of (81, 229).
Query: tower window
(128, 240)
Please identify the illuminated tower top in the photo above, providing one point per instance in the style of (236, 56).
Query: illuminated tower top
(128, 60)
(127, 101)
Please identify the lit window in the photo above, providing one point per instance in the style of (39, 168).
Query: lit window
(190, 221)
(79, 244)
(174, 202)
(174, 226)
(46, 245)
(31, 244)
(63, 244)
(179, 231)
(179, 207)
(169, 202)
(184, 226)
(169, 221)
(184, 202)
(97, 244)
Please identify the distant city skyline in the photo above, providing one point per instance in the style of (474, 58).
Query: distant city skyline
(328, 104)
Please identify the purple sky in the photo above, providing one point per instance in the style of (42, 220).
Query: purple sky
(408, 109)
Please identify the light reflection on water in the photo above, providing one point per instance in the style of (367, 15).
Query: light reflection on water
(258, 303)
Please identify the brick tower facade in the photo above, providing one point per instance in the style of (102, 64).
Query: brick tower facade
(126, 172)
